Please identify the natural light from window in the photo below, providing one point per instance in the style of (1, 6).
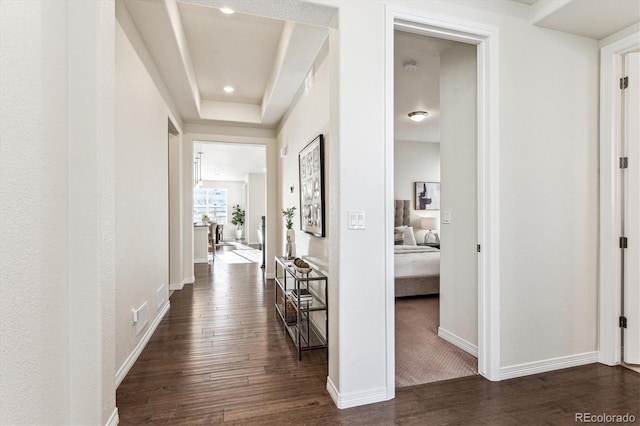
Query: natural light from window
(212, 201)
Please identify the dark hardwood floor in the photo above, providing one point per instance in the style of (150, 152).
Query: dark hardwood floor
(220, 356)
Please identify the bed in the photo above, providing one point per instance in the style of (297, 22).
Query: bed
(417, 268)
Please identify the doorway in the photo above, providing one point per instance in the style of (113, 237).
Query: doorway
(231, 193)
(619, 296)
(436, 156)
(619, 185)
(488, 233)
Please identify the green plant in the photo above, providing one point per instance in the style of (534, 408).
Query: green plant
(237, 216)
(205, 217)
(288, 215)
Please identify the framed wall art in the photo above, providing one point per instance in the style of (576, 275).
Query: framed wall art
(427, 195)
(311, 171)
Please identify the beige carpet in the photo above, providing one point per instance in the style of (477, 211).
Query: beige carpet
(422, 356)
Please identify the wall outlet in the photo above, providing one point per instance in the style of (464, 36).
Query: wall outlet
(160, 296)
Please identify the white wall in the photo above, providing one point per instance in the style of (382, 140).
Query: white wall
(458, 239)
(548, 141)
(236, 194)
(415, 162)
(176, 218)
(306, 119)
(256, 205)
(56, 164)
(187, 213)
(142, 226)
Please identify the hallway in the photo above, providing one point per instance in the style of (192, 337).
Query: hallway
(220, 356)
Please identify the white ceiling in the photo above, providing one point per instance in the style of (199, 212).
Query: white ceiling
(198, 50)
(266, 49)
(590, 18)
(417, 90)
(228, 161)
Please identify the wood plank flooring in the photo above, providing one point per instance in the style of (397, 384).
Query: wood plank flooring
(220, 356)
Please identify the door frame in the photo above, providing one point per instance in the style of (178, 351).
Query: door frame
(610, 274)
(488, 179)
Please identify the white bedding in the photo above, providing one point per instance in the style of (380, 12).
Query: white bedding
(416, 261)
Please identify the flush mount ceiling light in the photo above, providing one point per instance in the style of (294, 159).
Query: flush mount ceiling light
(418, 115)
(410, 65)
(228, 89)
(227, 10)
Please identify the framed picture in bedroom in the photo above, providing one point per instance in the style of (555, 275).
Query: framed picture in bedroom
(311, 172)
(427, 195)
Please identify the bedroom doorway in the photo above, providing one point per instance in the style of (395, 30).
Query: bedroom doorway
(487, 156)
(435, 179)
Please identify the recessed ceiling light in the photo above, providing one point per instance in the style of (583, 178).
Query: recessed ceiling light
(228, 89)
(418, 115)
(227, 10)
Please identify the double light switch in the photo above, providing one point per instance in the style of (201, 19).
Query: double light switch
(356, 219)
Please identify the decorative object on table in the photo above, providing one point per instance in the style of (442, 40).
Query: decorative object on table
(311, 173)
(290, 248)
(205, 218)
(427, 195)
(237, 218)
(301, 266)
(430, 223)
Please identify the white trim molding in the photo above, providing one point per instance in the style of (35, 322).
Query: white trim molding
(486, 38)
(180, 285)
(355, 399)
(458, 341)
(114, 419)
(610, 275)
(200, 260)
(132, 358)
(546, 365)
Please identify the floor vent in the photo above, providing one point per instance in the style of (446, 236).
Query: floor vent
(141, 317)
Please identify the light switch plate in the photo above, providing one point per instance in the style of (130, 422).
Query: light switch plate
(356, 219)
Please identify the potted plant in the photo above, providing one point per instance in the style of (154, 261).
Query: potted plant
(237, 218)
(290, 250)
(288, 216)
(205, 218)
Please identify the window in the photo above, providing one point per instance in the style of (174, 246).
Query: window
(212, 201)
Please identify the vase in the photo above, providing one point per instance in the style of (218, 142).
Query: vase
(238, 234)
(290, 248)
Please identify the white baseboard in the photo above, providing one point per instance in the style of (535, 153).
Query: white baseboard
(634, 367)
(114, 419)
(458, 341)
(201, 260)
(355, 399)
(179, 286)
(131, 359)
(546, 365)
(270, 275)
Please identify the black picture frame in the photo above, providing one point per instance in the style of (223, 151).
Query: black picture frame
(427, 195)
(311, 179)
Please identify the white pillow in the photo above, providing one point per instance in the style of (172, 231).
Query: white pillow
(409, 239)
